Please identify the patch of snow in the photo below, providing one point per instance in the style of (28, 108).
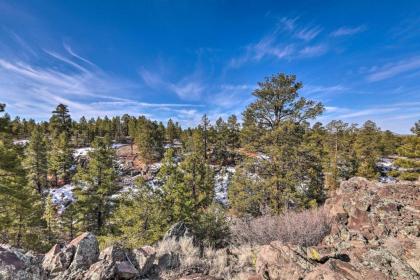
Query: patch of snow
(62, 197)
(21, 142)
(222, 180)
(263, 156)
(118, 145)
(81, 152)
(387, 179)
(155, 167)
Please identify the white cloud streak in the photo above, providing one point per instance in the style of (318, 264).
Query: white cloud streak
(393, 69)
(347, 31)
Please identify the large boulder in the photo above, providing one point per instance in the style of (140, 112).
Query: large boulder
(86, 251)
(143, 259)
(113, 264)
(16, 265)
(58, 259)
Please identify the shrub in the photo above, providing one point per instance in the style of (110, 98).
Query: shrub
(394, 173)
(407, 163)
(212, 228)
(409, 176)
(304, 228)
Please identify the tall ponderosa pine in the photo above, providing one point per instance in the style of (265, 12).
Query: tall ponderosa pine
(95, 185)
(60, 121)
(36, 161)
(275, 125)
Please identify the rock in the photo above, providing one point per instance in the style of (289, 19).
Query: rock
(125, 270)
(113, 264)
(177, 231)
(198, 277)
(278, 261)
(86, 252)
(113, 253)
(143, 259)
(58, 259)
(15, 265)
(168, 261)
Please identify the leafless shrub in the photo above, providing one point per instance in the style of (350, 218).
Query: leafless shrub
(305, 228)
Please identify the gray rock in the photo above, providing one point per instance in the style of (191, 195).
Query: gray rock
(143, 259)
(87, 251)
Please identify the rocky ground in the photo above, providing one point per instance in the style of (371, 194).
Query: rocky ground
(375, 234)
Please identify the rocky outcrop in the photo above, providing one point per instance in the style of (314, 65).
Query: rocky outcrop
(375, 234)
(17, 265)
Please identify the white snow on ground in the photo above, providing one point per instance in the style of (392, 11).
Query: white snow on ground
(221, 183)
(118, 145)
(155, 167)
(21, 142)
(81, 152)
(262, 156)
(62, 197)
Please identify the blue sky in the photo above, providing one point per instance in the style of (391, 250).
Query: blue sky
(181, 59)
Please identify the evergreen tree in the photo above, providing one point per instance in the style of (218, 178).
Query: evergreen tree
(60, 159)
(277, 119)
(36, 161)
(171, 132)
(340, 162)
(95, 185)
(50, 217)
(367, 148)
(233, 128)
(149, 139)
(60, 121)
(20, 214)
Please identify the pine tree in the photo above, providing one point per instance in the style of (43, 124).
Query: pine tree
(60, 159)
(36, 161)
(367, 148)
(140, 219)
(171, 132)
(233, 133)
(204, 127)
(20, 213)
(275, 126)
(68, 221)
(50, 217)
(149, 139)
(60, 121)
(340, 162)
(95, 185)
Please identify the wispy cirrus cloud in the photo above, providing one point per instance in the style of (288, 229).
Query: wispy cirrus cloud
(394, 69)
(313, 51)
(32, 88)
(347, 31)
(311, 89)
(288, 40)
(308, 33)
(188, 88)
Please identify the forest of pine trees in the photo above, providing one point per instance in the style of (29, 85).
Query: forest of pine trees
(283, 159)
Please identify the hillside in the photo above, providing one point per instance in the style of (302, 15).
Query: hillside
(374, 234)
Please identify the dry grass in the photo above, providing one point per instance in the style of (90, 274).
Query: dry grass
(225, 263)
(304, 228)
